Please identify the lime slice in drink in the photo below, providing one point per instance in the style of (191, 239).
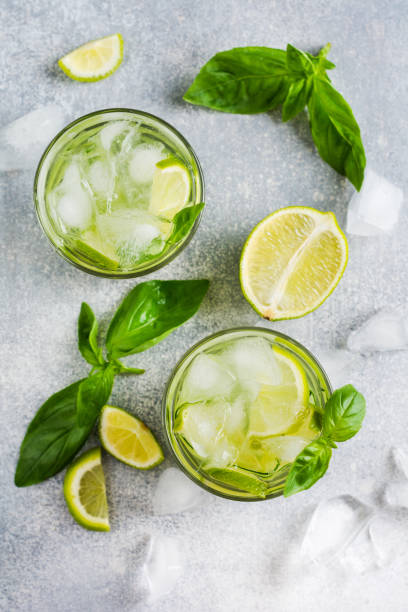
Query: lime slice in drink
(96, 251)
(95, 60)
(85, 492)
(292, 261)
(128, 439)
(265, 455)
(279, 407)
(170, 189)
(240, 480)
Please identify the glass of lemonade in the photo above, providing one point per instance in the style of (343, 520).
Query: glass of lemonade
(239, 407)
(108, 187)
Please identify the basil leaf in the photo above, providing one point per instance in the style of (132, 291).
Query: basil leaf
(122, 369)
(87, 333)
(299, 62)
(242, 80)
(310, 465)
(150, 312)
(297, 98)
(344, 413)
(52, 439)
(93, 393)
(183, 222)
(336, 133)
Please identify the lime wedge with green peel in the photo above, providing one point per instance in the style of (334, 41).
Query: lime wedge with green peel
(242, 481)
(279, 407)
(170, 188)
(85, 492)
(95, 60)
(128, 439)
(292, 261)
(96, 251)
(265, 455)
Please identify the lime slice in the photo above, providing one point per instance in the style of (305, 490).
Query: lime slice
(170, 188)
(279, 407)
(265, 455)
(292, 261)
(128, 439)
(96, 251)
(95, 60)
(85, 492)
(242, 481)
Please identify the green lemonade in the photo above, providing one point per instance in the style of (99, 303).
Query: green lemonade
(112, 189)
(241, 407)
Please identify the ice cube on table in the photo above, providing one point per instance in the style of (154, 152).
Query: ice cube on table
(142, 163)
(333, 525)
(163, 566)
(252, 359)
(23, 141)
(387, 330)
(206, 378)
(396, 494)
(337, 365)
(389, 537)
(400, 458)
(175, 493)
(374, 209)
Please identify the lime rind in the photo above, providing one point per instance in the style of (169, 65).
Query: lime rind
(66, 60)
(86, 462)
(242, 272)
(155, 458)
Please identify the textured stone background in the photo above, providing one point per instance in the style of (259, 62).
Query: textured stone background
(236, 553)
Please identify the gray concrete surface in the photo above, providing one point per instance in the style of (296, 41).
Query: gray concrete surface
(237, 554)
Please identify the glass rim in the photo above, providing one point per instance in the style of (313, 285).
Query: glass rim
(182, 360)
(176, 251)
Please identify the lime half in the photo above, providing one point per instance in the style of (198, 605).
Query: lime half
(95, 60)
(128, 439)
(292, 261)
(85, 492)
(170, 189)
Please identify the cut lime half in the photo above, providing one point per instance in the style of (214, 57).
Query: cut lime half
(170, 189)
(292, 261)
(85, 492)
(95, 60)
(128, 439)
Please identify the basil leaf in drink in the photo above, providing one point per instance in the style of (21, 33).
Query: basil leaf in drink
(87, 333)
(52, 439)
(343, 414)
(297, 98)
(336, 133)
(243, 80)
(150, 312)
(183, 222)
(93, 394)
(310, 465)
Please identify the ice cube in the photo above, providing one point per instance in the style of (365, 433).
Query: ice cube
(252, 359)
(396, 494)
(337, 365)
(175, 493)
(334, 523)
(23, 141)
(75, 210)
(111, 131)
(163, 566)
(99, 177)
(206, 378)
(400, 458)
(387, 330)
(389, 537)
(143, 162)
(375, 209)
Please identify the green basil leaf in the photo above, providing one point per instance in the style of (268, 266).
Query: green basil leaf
(87, 333)
(336, 133)
(183, 222)
(297, 98)
(310, 465)
(298, 62)
(242, 80)
(93, 394)
(344, 413)
(150, 312)
(52, 439)
(123, 370)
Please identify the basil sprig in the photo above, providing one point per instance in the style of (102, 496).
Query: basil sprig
(149, 313)
(258, 79)
(342, 418)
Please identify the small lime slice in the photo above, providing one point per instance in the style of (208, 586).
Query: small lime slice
(128, 439)
(279, 407)
(292, 261)
(264, 455)
(85, 492)
(95, 60)
(96, 251)
(170, 188)
(241, 481)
